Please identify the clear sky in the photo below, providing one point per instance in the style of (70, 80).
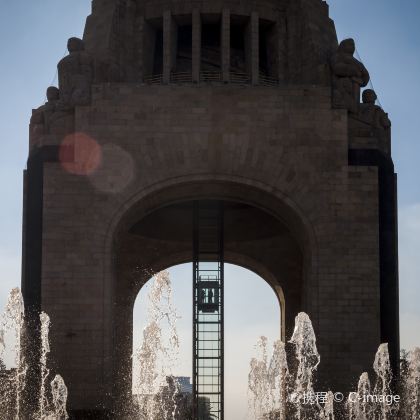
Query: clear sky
(33, 37)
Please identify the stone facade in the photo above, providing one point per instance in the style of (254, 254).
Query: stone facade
(309, 181)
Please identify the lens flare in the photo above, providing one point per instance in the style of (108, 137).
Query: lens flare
(116, 170)
(80, 154)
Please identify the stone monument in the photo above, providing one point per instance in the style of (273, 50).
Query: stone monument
(253, 103)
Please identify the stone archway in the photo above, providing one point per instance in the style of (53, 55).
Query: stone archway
(262, 233)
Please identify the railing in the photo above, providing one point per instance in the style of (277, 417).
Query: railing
(240, 78)
(155, 79)
(212, 77)
(181, 78)
(268, 81)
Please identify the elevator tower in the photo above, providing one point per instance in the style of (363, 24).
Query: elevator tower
(208, 311)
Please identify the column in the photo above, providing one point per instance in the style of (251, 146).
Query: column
(281, 48)
(140, 50)
(225, 38)
(255, 48)
(167, 46)
(196, 45)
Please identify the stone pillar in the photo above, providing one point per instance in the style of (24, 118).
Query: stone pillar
(281, 35)
(196, 45)
(169, 45)
(140, 49)
(255, 48)
(174, 44)
(225, 38)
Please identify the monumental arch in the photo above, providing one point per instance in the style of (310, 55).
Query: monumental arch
(251, 103)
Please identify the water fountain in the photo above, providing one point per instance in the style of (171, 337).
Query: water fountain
(154, 388)
(12, 323)
(52, 397)
(308, 358)
(357, 406)
(45, 372)
(410, 386)
(383, 372)
(301, 402)
(268, 381)
(259, 382)
(59, 398)
(276, 393)
(277, 390)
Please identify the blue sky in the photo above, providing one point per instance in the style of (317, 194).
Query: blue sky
(33, 37)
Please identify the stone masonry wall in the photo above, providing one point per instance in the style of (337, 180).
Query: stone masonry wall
(287, 142)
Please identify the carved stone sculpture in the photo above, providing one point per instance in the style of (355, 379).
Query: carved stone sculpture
(44, 117)
(349, 75)
(376, 118)
(372, 113)
(75, 75)
(41, 117)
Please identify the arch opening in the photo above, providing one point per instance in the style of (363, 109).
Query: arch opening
(253, 239)
(274, 246)
(248, 316)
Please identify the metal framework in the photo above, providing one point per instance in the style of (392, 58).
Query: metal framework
(208, 313)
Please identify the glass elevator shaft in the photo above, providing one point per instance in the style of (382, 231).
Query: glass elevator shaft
(208, 316)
